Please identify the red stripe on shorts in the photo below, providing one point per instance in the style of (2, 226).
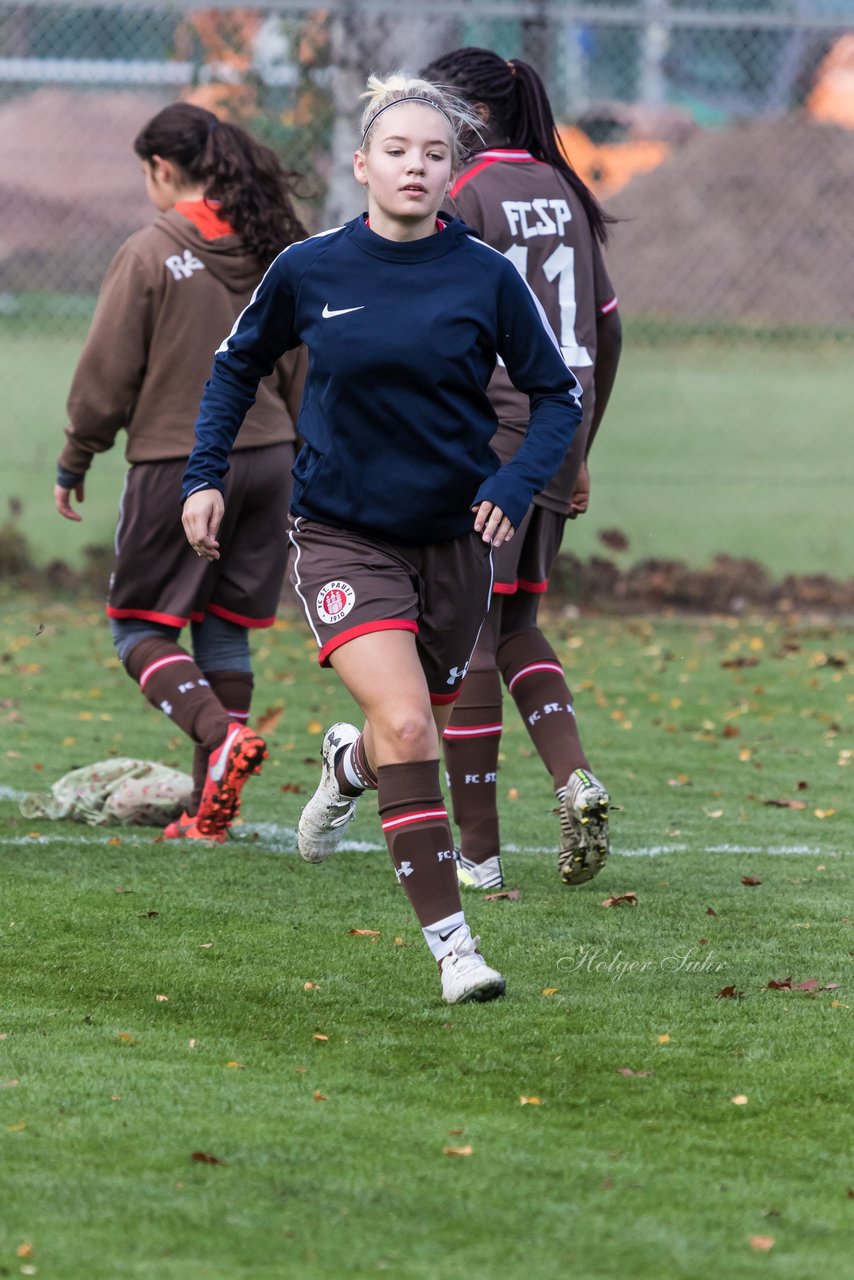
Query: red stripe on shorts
(366, 628)
(442, 699)
(149, 615)
(536, 588)
(505, 588)
(418, 815)
(218, 611)
(534, 668)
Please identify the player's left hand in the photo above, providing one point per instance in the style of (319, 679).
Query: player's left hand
(580, 499)
(492, 524)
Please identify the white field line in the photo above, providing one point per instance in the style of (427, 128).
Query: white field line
(271, 837)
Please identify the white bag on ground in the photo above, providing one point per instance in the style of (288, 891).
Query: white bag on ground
(132, 792)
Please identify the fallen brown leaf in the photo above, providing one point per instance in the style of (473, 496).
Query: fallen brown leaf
(729, 993)
(318, 1036)
(785, 804)
(525, 1101)
(740, 1099)
(779, 985)
(364, 933)
(512, 895)
(710, 911)
(458, 1151)
(762, 1243)
(627, 1071)
(630, 899)
(319, 1097)
(750, 880)
(204, 1157)
(269, 719)
(809, 985)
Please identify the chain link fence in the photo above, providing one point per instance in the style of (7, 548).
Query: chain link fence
(720, 132)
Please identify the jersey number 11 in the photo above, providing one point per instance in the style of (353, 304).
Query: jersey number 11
(559, 266)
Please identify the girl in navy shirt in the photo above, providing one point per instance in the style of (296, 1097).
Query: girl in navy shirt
(398, 497)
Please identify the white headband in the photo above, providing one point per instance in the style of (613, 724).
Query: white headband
(414, 98)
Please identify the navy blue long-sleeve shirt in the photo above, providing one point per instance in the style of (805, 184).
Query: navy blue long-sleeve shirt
(402, 340)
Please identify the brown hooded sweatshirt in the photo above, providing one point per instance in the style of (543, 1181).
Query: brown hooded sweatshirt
(169, 298)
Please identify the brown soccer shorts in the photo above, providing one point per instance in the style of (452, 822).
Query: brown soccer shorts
(350, 585)
(525, 562)
(160, 578)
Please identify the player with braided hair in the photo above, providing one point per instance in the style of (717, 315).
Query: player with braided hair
(398, 498)
(519, 190)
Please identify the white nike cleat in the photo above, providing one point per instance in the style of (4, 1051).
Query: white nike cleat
(327, 813)
(479, 875)
(465, 974)
(584, 843)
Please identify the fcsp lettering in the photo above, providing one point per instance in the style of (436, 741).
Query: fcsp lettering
(536, 217)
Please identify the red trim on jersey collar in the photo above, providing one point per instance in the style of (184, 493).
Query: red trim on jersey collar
(495, 155)
(204, 215)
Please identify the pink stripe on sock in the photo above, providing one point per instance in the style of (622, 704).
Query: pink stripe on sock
(472, 730)
(420, 815)
(532, 669)
(162, 662)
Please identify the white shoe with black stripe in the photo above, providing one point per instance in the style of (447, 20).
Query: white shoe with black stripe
(479, 875)
(322, 821)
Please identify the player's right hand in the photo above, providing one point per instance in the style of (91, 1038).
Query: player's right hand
(62, 500)
(201, 518)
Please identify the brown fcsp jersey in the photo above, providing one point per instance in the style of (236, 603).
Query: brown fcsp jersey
(529, 212)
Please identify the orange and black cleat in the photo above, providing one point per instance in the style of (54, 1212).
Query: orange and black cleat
(186, 828)
(241, 754)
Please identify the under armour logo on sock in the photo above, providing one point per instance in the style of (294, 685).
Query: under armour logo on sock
(166, 707)
(405, 869)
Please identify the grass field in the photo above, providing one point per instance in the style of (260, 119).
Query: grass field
(292, 1107)
(707, 447)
